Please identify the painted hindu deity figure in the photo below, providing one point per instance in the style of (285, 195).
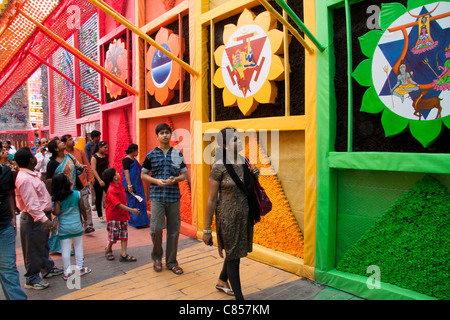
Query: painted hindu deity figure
(443, 81)
(405, 84)
(424, 42)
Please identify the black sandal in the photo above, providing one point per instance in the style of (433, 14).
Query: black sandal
(127, 258)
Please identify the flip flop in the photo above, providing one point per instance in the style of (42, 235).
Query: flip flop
(228, 291)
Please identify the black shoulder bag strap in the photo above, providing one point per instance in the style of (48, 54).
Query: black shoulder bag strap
(236, 179)
(254, 212)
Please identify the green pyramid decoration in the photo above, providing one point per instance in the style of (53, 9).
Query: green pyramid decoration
(410, 243)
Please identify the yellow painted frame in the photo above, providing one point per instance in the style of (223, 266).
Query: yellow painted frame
(205, 17)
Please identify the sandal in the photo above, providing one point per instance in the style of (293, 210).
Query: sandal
(176, 270)
(127, 258)
(109, 255)
(83, 271)
(228, 291)
(157, 266)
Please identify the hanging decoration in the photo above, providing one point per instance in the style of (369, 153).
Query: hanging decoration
(163, 75)
(248, 61)
(408, 69)
(123, 131)
(116, 63)
(64, 89)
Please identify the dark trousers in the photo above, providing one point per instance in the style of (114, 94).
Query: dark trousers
(165, 214)
(230, 271)
(98, 189)
(35, 249)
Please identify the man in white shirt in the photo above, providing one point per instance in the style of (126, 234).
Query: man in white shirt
(43, 157)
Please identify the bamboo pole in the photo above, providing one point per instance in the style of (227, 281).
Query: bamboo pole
(64, 76)
(348, 24)
(212, 68)
(300, 24)
(78, 54)
(118, 17)
(286, 24)
(287, 79)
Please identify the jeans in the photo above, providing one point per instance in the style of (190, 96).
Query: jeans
(160, 212)
(9, 276)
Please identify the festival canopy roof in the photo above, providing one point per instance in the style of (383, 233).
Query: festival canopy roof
(21, 41)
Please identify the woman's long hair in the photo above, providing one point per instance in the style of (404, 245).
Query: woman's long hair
(223, 138)
(53, 148)
(132, 148)
(98, 145)
(61, 187)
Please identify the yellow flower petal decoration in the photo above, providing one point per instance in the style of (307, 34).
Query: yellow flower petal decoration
(248, 61)
(267, 93)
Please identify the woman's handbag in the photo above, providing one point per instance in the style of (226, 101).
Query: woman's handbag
(264, 203)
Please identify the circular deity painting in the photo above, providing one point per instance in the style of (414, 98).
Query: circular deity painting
(409, 68)
(248, 61)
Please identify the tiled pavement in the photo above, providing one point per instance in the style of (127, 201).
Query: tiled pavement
(114, 280)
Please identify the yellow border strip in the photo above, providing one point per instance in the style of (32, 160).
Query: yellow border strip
(165, 111)
(273, 123)
(226, 10)
(310, 141)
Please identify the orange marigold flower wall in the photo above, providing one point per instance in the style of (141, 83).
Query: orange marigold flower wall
(278, 230)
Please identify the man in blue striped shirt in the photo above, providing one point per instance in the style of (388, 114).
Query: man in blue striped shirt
(163, 168)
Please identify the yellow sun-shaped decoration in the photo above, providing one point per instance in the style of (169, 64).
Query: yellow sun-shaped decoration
(163, 76)
(248, 61)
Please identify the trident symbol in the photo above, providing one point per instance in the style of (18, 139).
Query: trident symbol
(386, 69)
(425, 61)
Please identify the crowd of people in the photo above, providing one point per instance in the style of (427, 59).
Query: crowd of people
(56, 189)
